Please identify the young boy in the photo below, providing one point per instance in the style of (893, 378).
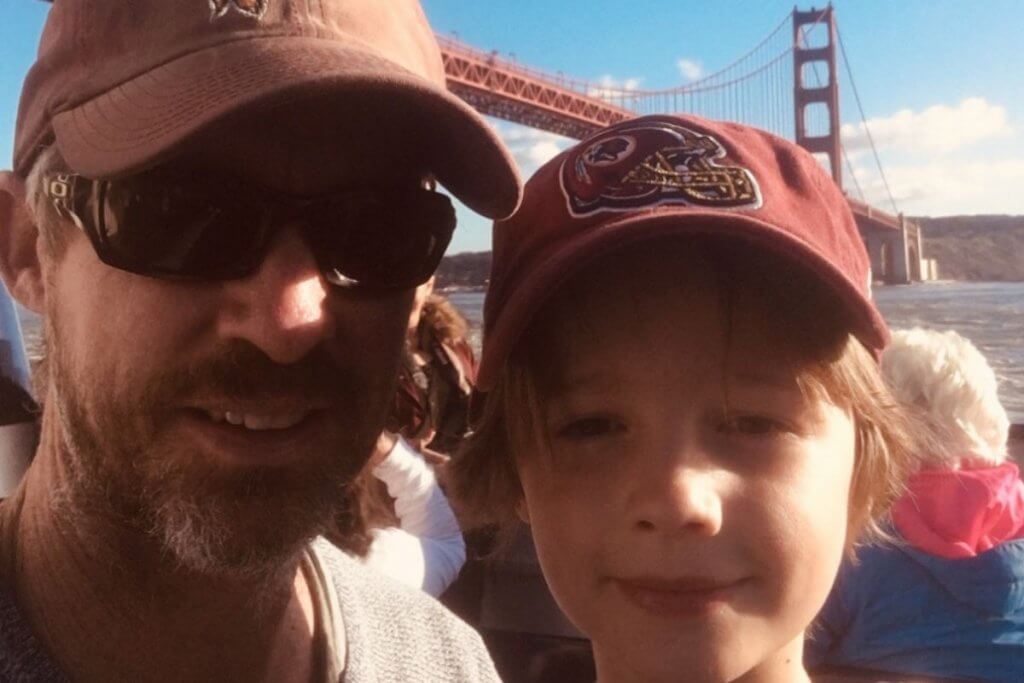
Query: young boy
(682, 398)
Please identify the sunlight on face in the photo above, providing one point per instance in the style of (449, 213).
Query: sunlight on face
(689, 508)
(308, 297)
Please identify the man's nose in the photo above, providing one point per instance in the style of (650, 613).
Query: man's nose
(679, 496)
(280, 308)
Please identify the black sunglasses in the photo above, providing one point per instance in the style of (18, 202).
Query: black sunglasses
(205, 226)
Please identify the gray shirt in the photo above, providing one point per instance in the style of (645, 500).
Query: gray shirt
(392, 633)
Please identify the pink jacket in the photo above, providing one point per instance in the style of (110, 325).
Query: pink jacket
(961, 513)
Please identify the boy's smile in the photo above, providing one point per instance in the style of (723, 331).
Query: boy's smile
(679, 597)
(690, 506)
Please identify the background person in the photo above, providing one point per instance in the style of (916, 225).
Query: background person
(221, 209)
(437, 376)
(407, 529)
(682, 401)
(945, 599)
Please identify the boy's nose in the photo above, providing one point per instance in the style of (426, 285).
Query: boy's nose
(280, 308)
(681, 499)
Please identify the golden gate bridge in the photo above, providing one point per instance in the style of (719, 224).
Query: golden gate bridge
(787, 84)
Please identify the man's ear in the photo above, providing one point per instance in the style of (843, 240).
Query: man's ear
(523, 511)
(19, 245)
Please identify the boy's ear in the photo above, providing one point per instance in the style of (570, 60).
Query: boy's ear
(523, 511)
(19, 245)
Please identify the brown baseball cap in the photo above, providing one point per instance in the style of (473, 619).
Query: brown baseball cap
(117, 86)
(663, 175)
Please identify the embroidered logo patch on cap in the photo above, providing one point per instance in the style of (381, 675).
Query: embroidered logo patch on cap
(250, 8)
(637, 165)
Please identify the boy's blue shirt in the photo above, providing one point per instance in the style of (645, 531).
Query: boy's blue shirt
(902, 610)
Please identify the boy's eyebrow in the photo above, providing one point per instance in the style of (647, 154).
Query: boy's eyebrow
(562, 383)
(784, 382)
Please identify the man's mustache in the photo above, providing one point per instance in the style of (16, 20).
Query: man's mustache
(243, 371)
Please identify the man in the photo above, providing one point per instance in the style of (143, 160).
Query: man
(221, 208)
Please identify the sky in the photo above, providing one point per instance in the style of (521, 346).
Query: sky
(941, 82)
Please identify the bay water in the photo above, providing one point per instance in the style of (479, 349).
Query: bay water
(990, 314)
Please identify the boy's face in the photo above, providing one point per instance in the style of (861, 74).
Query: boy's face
(690, 515)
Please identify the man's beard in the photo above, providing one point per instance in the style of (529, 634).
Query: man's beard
(122, 462)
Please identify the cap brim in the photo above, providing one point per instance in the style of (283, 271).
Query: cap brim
(532, 292)
(138, 122)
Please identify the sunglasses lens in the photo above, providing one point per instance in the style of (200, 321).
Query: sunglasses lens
(168, 226)
(157, 226)
(392, 241)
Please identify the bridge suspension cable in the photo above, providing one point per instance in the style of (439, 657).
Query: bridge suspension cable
(864, 122)
(753, 88)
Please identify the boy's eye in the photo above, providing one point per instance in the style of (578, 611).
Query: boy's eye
(752, 425)
(591, 427)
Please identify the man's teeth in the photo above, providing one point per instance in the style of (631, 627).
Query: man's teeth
(258, 422)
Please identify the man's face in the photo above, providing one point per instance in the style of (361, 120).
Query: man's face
(223, 418)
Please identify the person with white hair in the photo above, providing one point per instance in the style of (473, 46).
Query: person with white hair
(947, 377)
(945, 598)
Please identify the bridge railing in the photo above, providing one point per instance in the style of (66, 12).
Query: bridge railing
(875, 214)
(494, 58)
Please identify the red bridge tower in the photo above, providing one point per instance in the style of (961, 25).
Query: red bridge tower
(827, 94)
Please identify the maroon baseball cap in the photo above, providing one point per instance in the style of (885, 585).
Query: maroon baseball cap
(665, 175)
(119, 85)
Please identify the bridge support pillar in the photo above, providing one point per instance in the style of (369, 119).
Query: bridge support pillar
(895, 255)
(805, 94)
(900, 273)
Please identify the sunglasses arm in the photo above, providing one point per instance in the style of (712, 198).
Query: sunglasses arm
(72, 195)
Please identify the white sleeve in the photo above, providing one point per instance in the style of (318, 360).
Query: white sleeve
(428, 550)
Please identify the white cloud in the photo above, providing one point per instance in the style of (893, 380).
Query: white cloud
(609, 81)
(610, 88)
(943, 188)
(690, 69)
(934, 162)
(530, 147)
(938, 129)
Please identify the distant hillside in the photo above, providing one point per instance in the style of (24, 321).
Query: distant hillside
(468, 270)
(987, 248)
